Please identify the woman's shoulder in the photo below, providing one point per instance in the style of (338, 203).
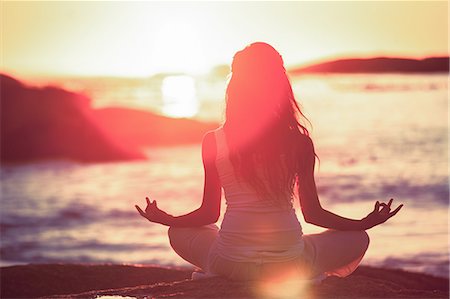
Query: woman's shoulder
(210, 136)
(209, 141)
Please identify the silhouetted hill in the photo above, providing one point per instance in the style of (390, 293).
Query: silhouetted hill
(139, 128)
(378, 65)
(52, 123)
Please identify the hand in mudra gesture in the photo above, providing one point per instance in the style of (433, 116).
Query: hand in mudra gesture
(378, 216)
(153, 213)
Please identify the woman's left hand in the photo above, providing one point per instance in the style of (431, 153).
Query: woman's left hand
(154, 214)
(378, 216)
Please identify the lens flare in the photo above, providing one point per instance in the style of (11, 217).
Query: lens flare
(286, 286)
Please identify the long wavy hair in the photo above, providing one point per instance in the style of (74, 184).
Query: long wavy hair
(263, 122)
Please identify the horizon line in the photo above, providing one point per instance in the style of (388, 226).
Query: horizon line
(308, 63)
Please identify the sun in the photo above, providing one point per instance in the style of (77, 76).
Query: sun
(177, 47)
(179, 96)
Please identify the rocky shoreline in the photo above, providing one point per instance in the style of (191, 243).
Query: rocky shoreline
(152, 281)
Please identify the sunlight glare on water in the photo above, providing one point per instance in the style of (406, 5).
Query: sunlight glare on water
(179, 96)
(283, 287)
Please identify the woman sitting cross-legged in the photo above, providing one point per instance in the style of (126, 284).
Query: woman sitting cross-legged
(259, 156)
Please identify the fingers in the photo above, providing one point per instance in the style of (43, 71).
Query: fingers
(149, 203)
(140, 211)
(390, 202)
(385, 208)
(377, 206)
(395, 211)
(149, 210)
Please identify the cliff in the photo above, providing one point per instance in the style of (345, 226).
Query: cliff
(377, 65)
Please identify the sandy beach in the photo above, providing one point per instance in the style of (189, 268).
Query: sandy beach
(152, 281)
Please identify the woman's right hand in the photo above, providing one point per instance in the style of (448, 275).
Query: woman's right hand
(153, 214)
(378, 216)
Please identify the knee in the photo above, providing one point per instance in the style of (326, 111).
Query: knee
(364, 239)
(178, 236)
(172, 232)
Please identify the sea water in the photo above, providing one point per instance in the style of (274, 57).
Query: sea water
(377, 137)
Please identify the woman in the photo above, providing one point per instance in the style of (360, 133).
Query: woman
(259, 156)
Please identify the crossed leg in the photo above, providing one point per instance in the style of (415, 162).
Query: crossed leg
(332, 252)
(336, 252)
(193, 243)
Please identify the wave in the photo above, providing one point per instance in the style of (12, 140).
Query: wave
(72, 215)
(427, 262)
(350, 188)
(353, 188)
(68, 249)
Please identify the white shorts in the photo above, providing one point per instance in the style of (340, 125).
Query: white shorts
(331, 252)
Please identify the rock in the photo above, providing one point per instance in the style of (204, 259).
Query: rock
(51, 123)
(74, 281)
(142, 129)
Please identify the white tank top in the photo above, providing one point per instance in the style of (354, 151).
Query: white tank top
(253, 229)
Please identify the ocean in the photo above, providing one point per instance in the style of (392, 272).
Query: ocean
(377, 136)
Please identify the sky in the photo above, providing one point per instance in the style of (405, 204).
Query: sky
(144, 38)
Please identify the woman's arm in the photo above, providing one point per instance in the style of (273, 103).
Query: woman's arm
(209, 210)
(312, 209)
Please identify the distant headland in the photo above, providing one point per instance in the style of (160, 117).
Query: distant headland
(52, 123)
(377, 65)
